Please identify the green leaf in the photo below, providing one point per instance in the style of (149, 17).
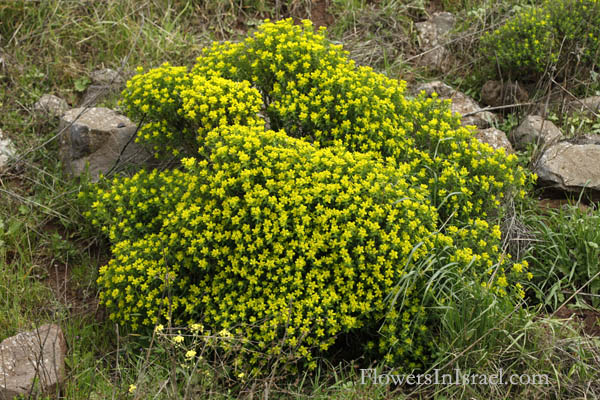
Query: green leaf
(82, 83)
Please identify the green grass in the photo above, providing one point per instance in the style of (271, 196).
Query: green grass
(565, 256)
(49, 257)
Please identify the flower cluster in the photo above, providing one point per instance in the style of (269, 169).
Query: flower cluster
(179, 108)
(192, 349)
(553, 33)
(274, 55)
(292, 236)
(314, 92)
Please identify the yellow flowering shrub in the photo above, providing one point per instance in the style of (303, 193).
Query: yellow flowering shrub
(279, 242)
(311, 187)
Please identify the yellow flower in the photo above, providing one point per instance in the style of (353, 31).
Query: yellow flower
(190, 354)
(178, 339)
(518, 267)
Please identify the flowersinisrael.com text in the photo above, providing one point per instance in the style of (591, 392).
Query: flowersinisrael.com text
(370, 375)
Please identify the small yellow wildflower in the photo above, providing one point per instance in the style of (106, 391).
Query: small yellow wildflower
(190, 354)
(178, 339)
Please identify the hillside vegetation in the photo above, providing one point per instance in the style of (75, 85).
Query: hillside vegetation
(310, 219)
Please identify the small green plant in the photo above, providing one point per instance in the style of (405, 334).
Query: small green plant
(550, 38)
(81, 84)
(576, 123)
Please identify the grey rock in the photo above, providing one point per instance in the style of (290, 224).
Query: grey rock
(496, 93)
(51, 105)
(461, 103)
(36, 356)
(443, 90)
(7, 150)
(495, 138)
(106, 77)
(432, 35)
(537, 130)
(444, 22)
(94, 94)
(105, 82)
(570, 167)
(586, 139)
(589, 106)
(99, 139)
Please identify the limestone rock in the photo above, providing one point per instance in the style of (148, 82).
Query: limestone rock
(570, 167)
(106, 77)
(496, 93)
(461, 103)
(34, 356)
(432, 34)
(50, 105)
(104, 83)
(96, 137)
(495, 138)
(586, 139)
(7, 150)
(589, 106)
(535, 129)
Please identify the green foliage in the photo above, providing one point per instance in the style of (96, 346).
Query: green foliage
(91, 34)
(561, 34)
(81, 84)
(576, 123)
(461, 5)
(524, 44)
(291, 238)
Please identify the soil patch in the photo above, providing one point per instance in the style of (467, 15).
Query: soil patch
(547, 204)
(80, 299)
(319, 14)
(588, 319)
